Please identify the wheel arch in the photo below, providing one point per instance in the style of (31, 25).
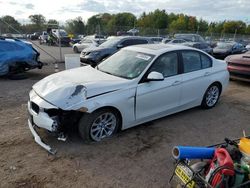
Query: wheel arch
(113, 109)
(217, 83)
(220, 91)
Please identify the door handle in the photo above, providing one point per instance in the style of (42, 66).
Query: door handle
(176, 83)
(207, 74)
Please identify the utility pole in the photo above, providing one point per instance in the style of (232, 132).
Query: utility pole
(198, 28)
(235, 33)
(60, 45)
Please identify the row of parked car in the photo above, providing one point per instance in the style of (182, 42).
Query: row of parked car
(94, 50)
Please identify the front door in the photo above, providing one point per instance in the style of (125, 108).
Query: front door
(156, 98)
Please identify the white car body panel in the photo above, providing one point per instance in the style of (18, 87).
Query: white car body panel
(153, 98)
(137, 103)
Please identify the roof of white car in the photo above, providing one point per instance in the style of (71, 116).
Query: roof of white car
(157, 49)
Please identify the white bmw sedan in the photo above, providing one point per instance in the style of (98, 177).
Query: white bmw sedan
(135, 85)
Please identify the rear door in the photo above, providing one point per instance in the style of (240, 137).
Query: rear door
(197, 71)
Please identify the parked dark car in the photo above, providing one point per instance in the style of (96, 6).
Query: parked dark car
(223, 49)
(17, 56)
(94, 55)
(156, 40)
(200, 45)
(189, 37)
(35, 36)
(177, 41)
(239, 66)
(62, 35)
(166, 40)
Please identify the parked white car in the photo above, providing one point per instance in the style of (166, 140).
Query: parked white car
(135, 85)
(86, 43)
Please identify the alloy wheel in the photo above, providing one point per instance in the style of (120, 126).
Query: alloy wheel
(103, 126)
(212, 96)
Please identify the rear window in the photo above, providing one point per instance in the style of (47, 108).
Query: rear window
(206, 61)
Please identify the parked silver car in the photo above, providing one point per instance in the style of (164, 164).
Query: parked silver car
(87, 42)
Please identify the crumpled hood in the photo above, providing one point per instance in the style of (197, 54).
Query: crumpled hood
(66, 89)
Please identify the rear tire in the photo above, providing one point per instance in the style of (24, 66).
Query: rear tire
(99, 125)
(211, 96)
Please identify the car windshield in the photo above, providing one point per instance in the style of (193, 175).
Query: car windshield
(110, 43)
(222, 45)
(126, 64)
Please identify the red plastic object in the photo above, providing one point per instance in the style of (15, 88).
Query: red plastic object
(221, 165)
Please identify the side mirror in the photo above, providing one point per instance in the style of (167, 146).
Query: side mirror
(155, 76)
(119, 46)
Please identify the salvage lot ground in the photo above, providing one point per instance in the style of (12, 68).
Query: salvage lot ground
(138, 157)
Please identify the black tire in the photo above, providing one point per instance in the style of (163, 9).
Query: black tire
(75, 49)
(86, 124)
(206, 103)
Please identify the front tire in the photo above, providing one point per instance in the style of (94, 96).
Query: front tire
(99, 125)
(211, 96)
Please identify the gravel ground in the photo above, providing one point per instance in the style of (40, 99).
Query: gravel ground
(137, 157)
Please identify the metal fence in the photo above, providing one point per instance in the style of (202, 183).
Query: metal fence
(10, 31)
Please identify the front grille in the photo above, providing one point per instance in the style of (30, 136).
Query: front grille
(52, 112)
(35, 107)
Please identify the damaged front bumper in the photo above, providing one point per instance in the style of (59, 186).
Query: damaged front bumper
(39, 118)
(38, 139)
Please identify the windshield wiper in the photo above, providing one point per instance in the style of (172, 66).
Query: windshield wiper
(114, 74)
(105, 72)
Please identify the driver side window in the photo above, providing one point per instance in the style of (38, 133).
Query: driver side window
(167, 64)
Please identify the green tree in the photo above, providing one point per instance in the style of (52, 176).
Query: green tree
(247, 30)
(234, 26)
(157, 19)
(53, 22)
(219, 27)
(92, 24)
(38, 20)
(179, 24)
(202, 25)
(75, 26)
(192, 23)
(9, 24)
(123, 20)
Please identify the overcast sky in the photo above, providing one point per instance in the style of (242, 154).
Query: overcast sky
(210, 10)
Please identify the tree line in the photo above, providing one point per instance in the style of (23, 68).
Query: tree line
(110, 24)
